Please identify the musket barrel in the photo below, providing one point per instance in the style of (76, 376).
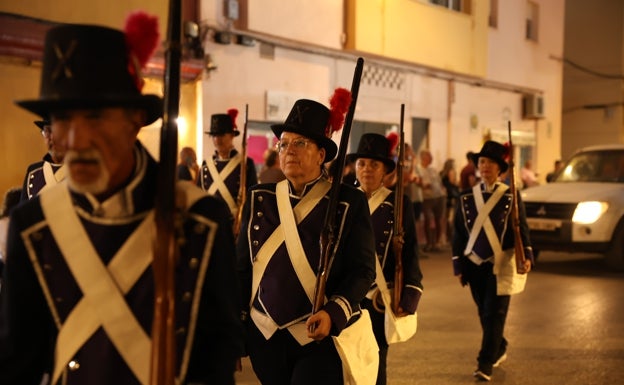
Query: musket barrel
(328, 233)
(242, 188)
(518, 244)
(163, 364)
(397, 239)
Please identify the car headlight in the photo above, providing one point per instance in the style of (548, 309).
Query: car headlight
(589, 212)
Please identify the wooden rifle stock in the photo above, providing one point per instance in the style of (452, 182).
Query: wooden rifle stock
(515, 217)
(328, 233)
(242, 189)
(398, 232)
(163, 363)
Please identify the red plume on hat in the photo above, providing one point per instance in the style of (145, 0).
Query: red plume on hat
(142, 38)
(338, 106)
(233, 112)
(507, 153)
(393, 138)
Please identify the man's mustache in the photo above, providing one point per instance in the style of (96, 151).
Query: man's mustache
(85, 157)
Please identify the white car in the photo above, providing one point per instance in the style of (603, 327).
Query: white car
(583, 209)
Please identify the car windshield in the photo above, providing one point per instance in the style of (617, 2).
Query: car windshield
(594, 166)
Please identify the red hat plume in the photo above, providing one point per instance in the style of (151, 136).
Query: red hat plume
(142, 38)
(507, 153)
(393, 138)
(338, 106)
(233, 112)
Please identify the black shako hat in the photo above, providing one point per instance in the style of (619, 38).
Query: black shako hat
(310, 119)
(374, 146)
(495, 151)
(88, 66)
(221, 124)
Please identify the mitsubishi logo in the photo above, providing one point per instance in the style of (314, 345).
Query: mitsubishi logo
(541, 211)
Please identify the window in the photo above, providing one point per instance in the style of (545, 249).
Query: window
(532, 21)
(454, 5)
(493, 18)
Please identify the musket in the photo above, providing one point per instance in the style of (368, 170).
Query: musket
(163, 363)
(515, 217)
(328, 232)
(398, 232)
(242, 189)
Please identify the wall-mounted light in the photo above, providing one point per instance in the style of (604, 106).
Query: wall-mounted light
(193, 46)
(210, 65)
(247, 41)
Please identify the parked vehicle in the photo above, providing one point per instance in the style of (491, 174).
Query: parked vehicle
(583, 209)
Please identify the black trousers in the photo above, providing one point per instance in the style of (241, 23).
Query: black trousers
(492, 311)
(378, 321)
(280, 360)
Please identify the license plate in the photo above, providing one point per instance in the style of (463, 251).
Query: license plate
(543, 225)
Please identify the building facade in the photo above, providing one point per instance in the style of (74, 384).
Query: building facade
(463, 69)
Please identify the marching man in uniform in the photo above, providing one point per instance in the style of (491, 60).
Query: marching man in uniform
(221, 175)
(278, 257)
(483, 252)
(77, 301)
(50, 170)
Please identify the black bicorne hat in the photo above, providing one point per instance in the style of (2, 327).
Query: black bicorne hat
(88, 66)
(310, 119)
(41, 124)
(495, 151)
(374, 146)
(222, 124)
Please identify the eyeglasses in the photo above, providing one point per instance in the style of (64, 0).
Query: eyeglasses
(298, 144)
(46, 132)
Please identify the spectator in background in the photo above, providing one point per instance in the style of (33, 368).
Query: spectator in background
(413, 188)
(468, 174)
(271, 171)
(412, 180)
(450, 183)
(434, 199)
(348, 174)
(188, 168)
(528, 176)
(551, 176)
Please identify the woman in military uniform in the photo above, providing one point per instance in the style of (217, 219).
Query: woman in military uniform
(278, 257)
(372, 164)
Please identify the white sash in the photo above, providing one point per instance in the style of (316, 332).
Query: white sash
(483, 219)
(301, 211)
(297, 255)
(264, 323)
(378, 198)
(218, 179)
(103, 303)
(396, 329)
(52, 178)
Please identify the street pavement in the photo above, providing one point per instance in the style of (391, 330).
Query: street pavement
(567, 327)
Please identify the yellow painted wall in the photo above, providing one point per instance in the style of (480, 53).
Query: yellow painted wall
(20, 142)
(104, 12)
(421, 33)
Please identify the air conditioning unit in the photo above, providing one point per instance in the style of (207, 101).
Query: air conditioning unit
(532, 106)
